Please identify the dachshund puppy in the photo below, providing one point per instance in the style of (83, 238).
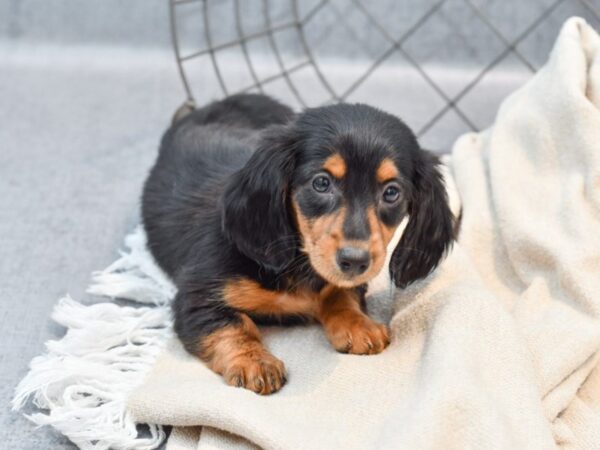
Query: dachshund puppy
(262, 216)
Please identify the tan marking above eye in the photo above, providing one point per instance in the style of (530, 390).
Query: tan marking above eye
(335, 165)
(387, 170)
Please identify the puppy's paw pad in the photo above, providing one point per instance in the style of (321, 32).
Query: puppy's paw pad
(263, 374)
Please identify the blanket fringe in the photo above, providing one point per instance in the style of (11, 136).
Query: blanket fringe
(82, 383)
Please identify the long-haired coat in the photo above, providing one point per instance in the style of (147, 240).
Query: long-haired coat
(263, 216)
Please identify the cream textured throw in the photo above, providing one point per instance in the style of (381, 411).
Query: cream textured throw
(499, 348)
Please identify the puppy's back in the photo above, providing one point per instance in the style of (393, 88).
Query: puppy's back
(253, 111)
(219, 138)
(197, 155)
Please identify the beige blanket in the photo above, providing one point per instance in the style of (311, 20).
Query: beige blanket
(499, 348)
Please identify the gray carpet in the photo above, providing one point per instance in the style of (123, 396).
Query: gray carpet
(76, 140)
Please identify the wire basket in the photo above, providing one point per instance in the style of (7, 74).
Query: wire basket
(443, 66)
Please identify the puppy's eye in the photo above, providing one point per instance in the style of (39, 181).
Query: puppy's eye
(321, 184)
(391, 194)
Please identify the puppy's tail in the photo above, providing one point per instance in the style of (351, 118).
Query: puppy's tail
(184, 110)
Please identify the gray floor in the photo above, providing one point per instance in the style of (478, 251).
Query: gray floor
(76, 139)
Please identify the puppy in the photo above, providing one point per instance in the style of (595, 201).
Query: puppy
(261, 216)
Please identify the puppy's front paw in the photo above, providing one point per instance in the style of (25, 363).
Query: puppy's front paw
(357, 334)
(260, 372)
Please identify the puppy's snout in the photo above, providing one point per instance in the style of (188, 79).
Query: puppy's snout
(353, 261)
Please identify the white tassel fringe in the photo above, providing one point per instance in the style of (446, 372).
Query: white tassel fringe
(83, 381)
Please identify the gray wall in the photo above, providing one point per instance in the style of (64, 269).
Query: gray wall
(101, 22)
(145, 22)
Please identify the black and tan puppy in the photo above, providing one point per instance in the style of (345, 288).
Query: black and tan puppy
(263, 216)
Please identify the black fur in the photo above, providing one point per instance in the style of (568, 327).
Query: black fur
(430, 229)
(217, 204)
(255, 204)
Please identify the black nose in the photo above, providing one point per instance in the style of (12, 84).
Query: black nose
(352, 261)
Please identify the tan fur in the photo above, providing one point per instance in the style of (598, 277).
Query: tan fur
(323, 237)
(335, 165)
(348, 329)
(386, 171)
(237, 353)
(380, 238)
(248, 295)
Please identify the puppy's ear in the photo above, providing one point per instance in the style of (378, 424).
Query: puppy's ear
(255, 203)
(430, 229)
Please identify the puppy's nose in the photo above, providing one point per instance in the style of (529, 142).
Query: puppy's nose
(352, 261)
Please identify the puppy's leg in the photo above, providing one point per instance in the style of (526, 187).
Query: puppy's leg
(349, 329)
(237, 353)
(230, 344)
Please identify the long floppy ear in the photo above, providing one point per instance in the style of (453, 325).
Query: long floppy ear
(430, 229)
(255, 205)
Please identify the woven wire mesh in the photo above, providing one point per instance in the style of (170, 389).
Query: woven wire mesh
(443, 66)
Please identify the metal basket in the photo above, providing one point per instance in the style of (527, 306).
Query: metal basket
(443, 66)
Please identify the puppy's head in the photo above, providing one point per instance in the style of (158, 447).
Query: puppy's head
(336, 183)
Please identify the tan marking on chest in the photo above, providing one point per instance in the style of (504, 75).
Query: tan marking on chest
(249, 295)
